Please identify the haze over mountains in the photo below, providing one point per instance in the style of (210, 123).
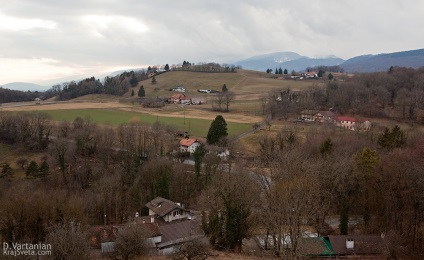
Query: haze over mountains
(364, 63)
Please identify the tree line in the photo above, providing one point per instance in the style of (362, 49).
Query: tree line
(8, 95)
(117, 85)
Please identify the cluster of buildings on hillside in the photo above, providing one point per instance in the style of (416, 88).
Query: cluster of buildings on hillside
(306, 75)
(350, 123)
(180, 98)
(169, 225)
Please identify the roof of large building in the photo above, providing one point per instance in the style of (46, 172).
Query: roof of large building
(179, 231)
(362, 244)
(315, 246)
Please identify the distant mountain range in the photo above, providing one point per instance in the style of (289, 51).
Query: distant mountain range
(382, 62)
(364, 63)
(286, 60)
(24, 86)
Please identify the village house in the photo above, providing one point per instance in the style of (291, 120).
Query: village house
(167, 210)
(324, 116)
(308, 115)
(311, 75)
(347, 122)
(178, 98)
(176, 225)
(221, 152)
(189, 145)
(165, 229)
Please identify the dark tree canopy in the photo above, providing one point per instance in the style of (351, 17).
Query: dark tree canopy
(224, 88)
(141, 92)
(217, 130)
(392, 139)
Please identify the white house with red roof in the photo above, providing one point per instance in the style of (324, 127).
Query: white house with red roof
(350, 123)
(179, 98)
(189, 145)
(353, 124)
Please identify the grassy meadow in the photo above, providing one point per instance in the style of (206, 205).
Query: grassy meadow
(196, 127)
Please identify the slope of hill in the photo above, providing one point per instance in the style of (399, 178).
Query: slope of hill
(382, 62)
(286, 60)
(246, 84)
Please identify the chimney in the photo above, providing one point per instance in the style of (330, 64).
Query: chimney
(152, 219)
(350, 244)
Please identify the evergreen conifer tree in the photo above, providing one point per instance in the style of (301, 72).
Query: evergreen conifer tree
(217, 130)
(141, 92)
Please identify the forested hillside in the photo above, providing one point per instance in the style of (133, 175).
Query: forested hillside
(396, 94)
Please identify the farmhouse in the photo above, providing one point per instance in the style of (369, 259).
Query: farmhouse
(188, 145)
(178, 98)
(175, 225)
(347, 122)
(308, 115)
(311, 75)
(324, 116)
(166, 210)
(167, 226)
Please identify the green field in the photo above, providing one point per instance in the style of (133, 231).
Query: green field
(196, 127)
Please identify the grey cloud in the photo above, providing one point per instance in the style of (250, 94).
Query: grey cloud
(210, 30)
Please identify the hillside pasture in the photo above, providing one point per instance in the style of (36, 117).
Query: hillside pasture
(246, 84)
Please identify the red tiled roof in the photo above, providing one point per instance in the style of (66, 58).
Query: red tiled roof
(187, 142)
(178, 96)
(345, 118)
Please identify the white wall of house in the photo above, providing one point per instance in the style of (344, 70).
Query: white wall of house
(193, 147)
(156, 239)
(176, 214)
(351, 125)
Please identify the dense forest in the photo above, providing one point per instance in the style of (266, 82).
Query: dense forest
(94, 175)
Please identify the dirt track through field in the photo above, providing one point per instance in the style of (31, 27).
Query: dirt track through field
(189, 113)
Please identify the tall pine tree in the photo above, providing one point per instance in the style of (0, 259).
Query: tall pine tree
(217, 130)
(141, 92)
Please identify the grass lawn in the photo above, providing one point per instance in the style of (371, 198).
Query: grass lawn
(196, 127)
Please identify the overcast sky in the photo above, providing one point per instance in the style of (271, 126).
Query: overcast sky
(41, 40)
